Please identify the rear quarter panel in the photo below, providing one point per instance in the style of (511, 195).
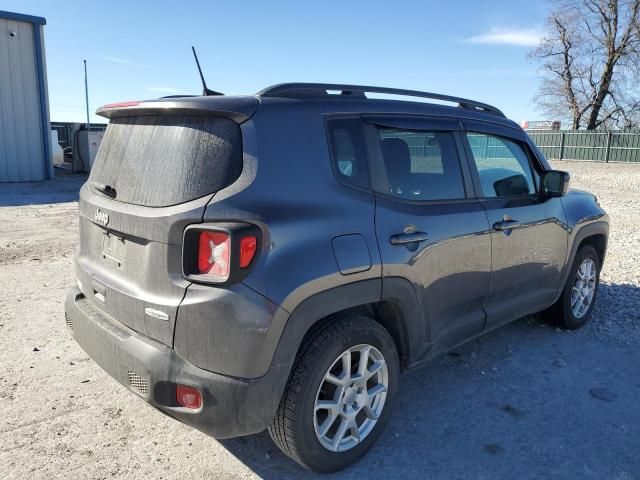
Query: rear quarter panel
(300, 206)
(288, 189)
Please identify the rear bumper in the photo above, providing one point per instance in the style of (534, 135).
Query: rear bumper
(231, 406)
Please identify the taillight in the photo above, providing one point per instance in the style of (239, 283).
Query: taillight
(214, 253)
(219, 252)
(248, 247)
(188, 397)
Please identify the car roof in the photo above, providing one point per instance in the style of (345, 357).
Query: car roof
(332, 98)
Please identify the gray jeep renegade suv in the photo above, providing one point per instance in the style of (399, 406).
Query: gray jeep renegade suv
(276, 260)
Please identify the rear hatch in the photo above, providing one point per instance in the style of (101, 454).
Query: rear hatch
(154, 174)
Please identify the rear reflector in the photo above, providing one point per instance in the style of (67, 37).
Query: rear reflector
(248, 246)
(188, 397)
(214, 253)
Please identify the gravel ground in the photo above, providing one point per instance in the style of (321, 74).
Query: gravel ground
(527, 401)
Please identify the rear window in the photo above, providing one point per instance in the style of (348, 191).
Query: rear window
(420, 165)
(164, 160)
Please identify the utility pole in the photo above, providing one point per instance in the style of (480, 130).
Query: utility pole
(86, 93)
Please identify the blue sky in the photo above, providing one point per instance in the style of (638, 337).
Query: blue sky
(138, 50)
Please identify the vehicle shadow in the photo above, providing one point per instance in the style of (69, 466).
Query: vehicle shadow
(516, 403)
(65, 187)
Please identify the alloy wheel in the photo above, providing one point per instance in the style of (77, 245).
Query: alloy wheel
(584, 288)
(351, 398)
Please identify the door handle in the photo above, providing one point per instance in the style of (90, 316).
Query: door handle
(404, 238)
(506, 225)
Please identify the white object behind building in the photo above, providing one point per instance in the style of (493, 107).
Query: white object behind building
(85, 148)
(56, 150)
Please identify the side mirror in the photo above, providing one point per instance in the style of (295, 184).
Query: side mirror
(555, 183)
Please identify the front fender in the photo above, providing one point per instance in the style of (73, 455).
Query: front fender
(585, 218)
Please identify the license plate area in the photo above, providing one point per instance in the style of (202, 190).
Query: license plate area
(113, 249)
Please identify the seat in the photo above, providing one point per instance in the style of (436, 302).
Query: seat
(397, 162)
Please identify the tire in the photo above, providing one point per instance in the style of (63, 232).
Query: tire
(563, 313)
(297, 421)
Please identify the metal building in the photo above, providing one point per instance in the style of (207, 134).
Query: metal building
(25, 145)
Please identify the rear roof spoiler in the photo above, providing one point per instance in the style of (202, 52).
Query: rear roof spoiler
(238, 109)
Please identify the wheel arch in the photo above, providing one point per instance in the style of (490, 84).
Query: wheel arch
(597, 241)
(393, 308)
(595, 234)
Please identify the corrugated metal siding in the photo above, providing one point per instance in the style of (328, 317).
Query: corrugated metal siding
(625, 147)
(585, 146)
(21, 138)
(548, 142)
(613, 146)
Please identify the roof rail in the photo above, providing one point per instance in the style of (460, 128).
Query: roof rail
(306, 90)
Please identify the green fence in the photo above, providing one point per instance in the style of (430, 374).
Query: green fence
(615, 146)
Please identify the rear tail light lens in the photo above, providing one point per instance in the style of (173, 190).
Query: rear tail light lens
(188, 397)
(214, 253)
(248, 247)
(219, 252)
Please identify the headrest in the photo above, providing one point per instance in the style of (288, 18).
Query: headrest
(396, 155)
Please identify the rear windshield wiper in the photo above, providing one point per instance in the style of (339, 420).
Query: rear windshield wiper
(108, 190)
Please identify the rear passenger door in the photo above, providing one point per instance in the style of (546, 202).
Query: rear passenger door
(529, 234)
(432, 232)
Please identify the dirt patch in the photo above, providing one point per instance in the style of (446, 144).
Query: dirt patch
(527, 401)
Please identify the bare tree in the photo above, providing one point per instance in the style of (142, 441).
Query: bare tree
(590, 59)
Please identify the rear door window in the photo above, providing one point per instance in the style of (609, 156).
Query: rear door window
(420, 165)
(162, 160)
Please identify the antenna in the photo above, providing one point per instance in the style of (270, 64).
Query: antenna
(205, 91)
(86, 94)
